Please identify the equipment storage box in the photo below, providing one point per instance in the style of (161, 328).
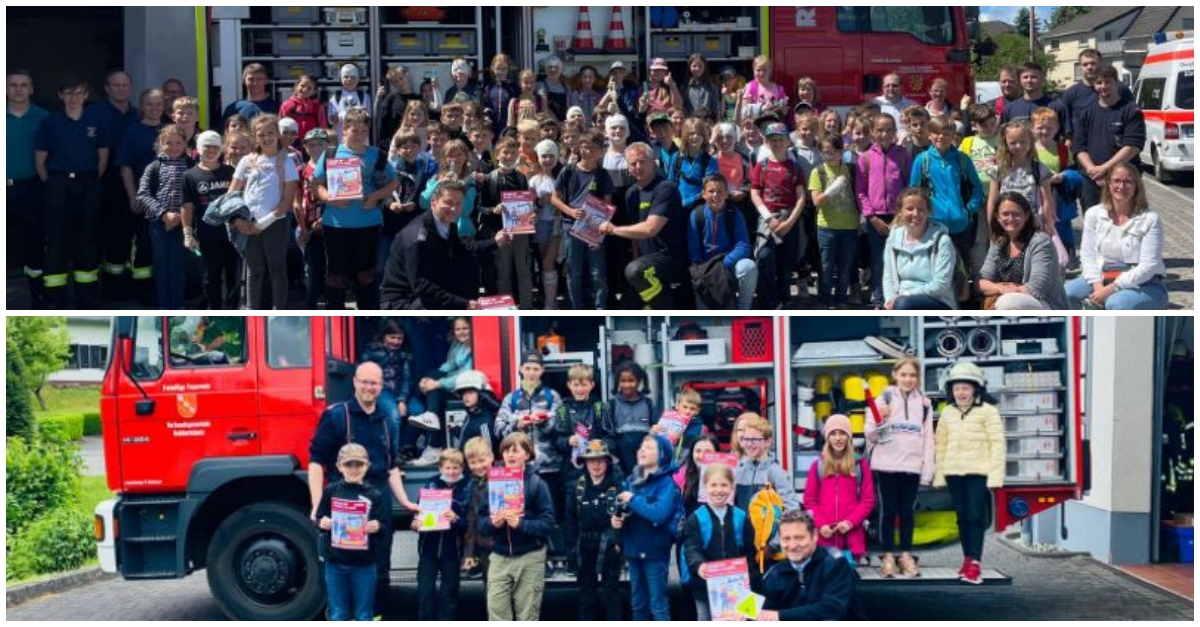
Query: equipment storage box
(1042, 445)
(453, 43)
(752, 341)
(1178, 542)
(697, 352)
(291, 70)
(1049, 469)
(296, 43)
(712, 45)
(407, 44)
(333, 71)
(1027, 402)
(671, 46)
(1038, 423)
(346, 43)
(1013, 348)
(346, 16)
(295, 15)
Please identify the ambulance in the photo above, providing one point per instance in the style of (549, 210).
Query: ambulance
(1166, 93)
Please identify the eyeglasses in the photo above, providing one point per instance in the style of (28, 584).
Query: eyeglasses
(1122, 182)
(746, 440)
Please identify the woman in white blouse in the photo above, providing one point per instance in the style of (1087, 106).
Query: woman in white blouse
(1122, 250)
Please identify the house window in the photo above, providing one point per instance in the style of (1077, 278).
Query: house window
(85, 357)
(1055, 44)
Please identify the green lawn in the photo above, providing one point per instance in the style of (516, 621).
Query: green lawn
(94, 490)
(68, 400)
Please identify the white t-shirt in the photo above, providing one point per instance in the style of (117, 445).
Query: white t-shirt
(263, 191)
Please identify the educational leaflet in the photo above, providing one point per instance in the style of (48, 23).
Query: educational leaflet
(674, 424)
(506, 490)
(434, 505)
(728, 587)
(708, 459)
(583, 433)
(497, 303)
(520, 213)
(596, 212)
(344, 177)
(349, 531)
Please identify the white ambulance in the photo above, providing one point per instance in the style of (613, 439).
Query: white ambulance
(1166, 93)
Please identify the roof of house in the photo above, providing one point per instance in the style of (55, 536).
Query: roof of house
(1151, 20)
(1092, 21)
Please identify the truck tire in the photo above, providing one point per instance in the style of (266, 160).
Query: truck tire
(263, 565)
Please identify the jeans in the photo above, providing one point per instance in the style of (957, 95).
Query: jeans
(1019, 302)
(170, 272)
(838, 251)
(648, 586)
(897, 496)
(919, 303)
(878, 244)
(432, 604)
(775, 264)
(580, 254)
(383, 555)
(351, 591)
(746, 275)
(1147, 296)
(971, 502)
(314, 269)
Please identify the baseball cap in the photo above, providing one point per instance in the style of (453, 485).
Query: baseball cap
(208, 138)
(353, 453)
(317, 135)
(658, 63)
(533, 357)
(776, 129)
(728, 71)
(660, 118)
(288, 125)
(349, 71)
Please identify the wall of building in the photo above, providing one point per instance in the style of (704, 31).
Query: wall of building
(87, 333)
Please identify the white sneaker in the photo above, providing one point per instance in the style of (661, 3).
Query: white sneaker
(427, 421)
(430, 457)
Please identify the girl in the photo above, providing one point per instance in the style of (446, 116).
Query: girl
(454, 164)
(436, 387)
(661, 92)
(831, 124)
(569, 144)
(305, 107)
(703, 96)
(901, 454)
(687, 478)
(840, 492)
(733, 166)
(859, 144)
(762, 95)
(238, 144)
(269, 183)
(201, 186)
(236, 123)
(160, 197)
(416, 119)
(1018, 170)
(732, 85)
(969, 458)
(646, 523)
(918, 263)
(806, 91)
(716, 531)
(499, 92)
(586, 97)
(630, 412)
(548, 238)
(695, 164)
(883, 173)
(391, 101)
(528, 103)
(837, 222)
(554, 90)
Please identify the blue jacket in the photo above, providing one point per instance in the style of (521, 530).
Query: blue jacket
(647, 533)
(927, 269)
(690, 174)
(397, 369)
(457, 361)
(712, 238)
(448, 544)
(536, 525)
(947, 174)
(825, 593)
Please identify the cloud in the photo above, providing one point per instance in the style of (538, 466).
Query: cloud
(1008, 14)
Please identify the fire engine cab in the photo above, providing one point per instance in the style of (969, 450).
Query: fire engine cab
(207, 420)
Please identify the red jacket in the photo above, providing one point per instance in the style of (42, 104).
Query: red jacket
(308, 114)
(834, 499)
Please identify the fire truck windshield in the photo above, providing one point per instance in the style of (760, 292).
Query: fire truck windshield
(930, 25)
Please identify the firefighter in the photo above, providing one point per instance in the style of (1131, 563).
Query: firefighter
(71, 156)
(26, 238)
(117, 114)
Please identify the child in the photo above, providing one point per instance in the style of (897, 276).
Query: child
(436, 386)
(528, 137)
(480, 133)
(662, 138)
(160, 197)
(394, 358)
(305, 107)
(569, 149)
(574, 185)
(202, 185)
(840, 492)
(703, 96)
(185, 113)
(650, 504)
(438, 138)
(543, 181)
(415, 121)
(859, 142)
(528, 103)
(695, 164)
(549, 128)
(805, 142)
(757, 468)
(687, 478)
(753, 142)
(687, 406)
(439, 552)
(969, 459)
(762, 95)
(352, 227)
(591, 499)
(477, 547)
(832, 186)
(310, 236)
(716, 531)
(953, 184)
(481, 405)
(777, 190)
(831, 124)
(916, 139)
(290, 132)
(631, 413)
(587, 96)
(499, 91)
(511, 275)
(583, 409)
(901, 453)
(349, 557)
(661, 93)
(516, 574)
(413, 169)
(984, 145)
(455, 164)
(718, 229)
(347, 99)
(1020, 171)
(1058, 159)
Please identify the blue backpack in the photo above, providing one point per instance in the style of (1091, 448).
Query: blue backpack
(705, 518)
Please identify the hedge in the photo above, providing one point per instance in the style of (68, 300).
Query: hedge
(91, 424)
(67, 427)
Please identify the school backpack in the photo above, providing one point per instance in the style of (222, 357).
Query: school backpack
(704, 517)
(858, 476)
(514, 402)
(765, 510)
(964, 182)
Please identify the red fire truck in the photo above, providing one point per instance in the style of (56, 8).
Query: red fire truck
(207, 420)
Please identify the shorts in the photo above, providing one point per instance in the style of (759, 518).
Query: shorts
(547, 230)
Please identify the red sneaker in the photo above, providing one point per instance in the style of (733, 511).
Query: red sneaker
(962, 570)
(973, 574)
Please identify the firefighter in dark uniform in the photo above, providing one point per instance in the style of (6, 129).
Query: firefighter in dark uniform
(116, 114)
(71, 156)
(26, 237)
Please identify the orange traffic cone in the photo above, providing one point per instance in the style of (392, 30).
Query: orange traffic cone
(617, 41)
(583, 32)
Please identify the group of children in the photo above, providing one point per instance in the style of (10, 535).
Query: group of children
(613, 486)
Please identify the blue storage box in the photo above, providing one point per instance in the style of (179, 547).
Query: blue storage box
(1177, 543)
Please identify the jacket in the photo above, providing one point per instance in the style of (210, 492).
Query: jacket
(722, 545)
(841, 497)
(636, 416)
(536, 525)
(543, 400)
(1042, 276)
(589, 519)
(466, 222)
(397, 369)
(752, 476)
(377, 509)
(309, 113)
(475, 544)
(448, 544)
(481, 422)
(161, 187)
(647, 532)
(909, 448)
(458, 360)
(370, 430)
(952, 205)
(970, 443)
(1140, 245)
(927, 269)
(826, 591)
(708, 236)
(226, 210)
(589, 413)
(881, 178)
(425, 271)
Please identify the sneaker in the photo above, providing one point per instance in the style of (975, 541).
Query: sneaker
(962, 571)
(429, 458)
(888, 567)
(427, 421)
(908, 567)
(973, 573)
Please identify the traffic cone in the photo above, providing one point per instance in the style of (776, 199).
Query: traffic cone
(617, 41)
(583, 32)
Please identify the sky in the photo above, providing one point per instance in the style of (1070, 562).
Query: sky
(1009, 13)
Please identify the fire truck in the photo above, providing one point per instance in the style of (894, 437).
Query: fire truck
(207, 420)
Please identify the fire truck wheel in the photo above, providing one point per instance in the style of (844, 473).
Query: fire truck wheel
(262, 564)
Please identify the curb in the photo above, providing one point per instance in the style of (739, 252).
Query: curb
(55, 584)
(1013, 542)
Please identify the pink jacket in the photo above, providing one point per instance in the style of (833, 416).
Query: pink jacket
(910, 447)
(881, 178)
(834, 499)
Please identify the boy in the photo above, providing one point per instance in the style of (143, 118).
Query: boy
(1058, 160)
(203, 184)
(757, 467)
(811, 584)
(832, 187)
(575, 183)
(476, 394)
(953, 185)
(452, 119)
(439, 551)
(438, 136)
(650, 510)
(185, 113)
(352, 227)
(687, 406)
(256, 80)
(752, 141)
(476, 546)
(804, 141)
(714, 232)
(481, 140)
(413, 171)
(662, 137)
(916, 140)
(350, 512)
(591, 499)
(511, 262)
(777, 189)
(982, 148)
(582, 409)
(347, 99)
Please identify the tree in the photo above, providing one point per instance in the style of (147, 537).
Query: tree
(43, 347)
(1065, 14)
(1011, 49)
(1023, 22)
(18, 418)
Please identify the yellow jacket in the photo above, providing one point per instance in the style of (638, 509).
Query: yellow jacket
(970, 444)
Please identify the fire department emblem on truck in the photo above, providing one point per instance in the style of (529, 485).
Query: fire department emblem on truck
(186, 405)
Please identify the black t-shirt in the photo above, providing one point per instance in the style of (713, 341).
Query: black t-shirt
(200, 188)
(661, 198)
(574, 185)
(1103, 131)
(340, 502)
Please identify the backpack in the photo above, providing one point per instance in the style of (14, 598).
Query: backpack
(581, 487)
(705, 518)
(964, 182)
(858, 476)
(514, 400)
(765, 510)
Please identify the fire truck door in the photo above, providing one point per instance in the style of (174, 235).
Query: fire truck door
(291, 391)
